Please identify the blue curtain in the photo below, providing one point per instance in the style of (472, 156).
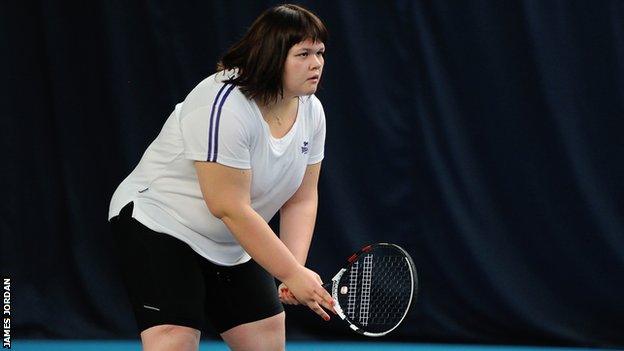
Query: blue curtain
(483, 136)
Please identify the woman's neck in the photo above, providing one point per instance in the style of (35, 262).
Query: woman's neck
(279, 105)
(281, 113)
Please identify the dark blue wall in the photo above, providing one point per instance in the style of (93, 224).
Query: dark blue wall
(483, 136)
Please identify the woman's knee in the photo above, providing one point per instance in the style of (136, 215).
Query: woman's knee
(276, 322)
(267, 334)
(168, 336)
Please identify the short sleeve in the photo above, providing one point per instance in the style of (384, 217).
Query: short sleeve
(220, 136)
(317, 151)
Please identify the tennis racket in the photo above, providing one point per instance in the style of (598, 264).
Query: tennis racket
(374, 290)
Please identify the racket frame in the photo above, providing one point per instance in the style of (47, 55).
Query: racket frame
(336, 282)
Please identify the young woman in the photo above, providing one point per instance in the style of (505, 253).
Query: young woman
(191, 219)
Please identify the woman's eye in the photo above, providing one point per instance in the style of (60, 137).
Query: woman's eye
(303, 54)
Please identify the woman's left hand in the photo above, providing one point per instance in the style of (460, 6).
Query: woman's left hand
(286, 296)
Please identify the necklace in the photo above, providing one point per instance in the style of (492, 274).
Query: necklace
(276, 118)
(279, 120)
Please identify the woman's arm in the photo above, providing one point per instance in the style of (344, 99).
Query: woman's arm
(226, 192)
(298, 215)
(297, 218)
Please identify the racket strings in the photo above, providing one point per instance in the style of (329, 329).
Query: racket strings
(391, 291)
(367, 276)
(353, 280)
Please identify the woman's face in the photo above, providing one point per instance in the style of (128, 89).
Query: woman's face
(303, 68)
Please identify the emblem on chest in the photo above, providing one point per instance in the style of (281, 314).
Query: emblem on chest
(304, 148)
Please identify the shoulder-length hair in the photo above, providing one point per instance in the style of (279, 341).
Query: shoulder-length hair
(260, 55)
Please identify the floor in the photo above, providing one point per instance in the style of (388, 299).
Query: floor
(48, 345)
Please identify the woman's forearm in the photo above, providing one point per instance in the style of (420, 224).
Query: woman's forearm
(258, 239)
(297, 226)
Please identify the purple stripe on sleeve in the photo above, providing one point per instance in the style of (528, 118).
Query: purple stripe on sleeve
(216, 148)
(214, 104)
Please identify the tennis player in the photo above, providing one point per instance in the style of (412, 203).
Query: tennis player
(190, 221)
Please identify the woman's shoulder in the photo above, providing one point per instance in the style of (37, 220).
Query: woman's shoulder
(313, 106)
(217, 79)
(211, 85)
(215, 92)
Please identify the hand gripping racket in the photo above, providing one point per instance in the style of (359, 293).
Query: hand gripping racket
(375, 289)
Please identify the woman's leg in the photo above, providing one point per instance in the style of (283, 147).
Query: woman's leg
(267, 334)
(244, 307)
(170, 337)
(164, 282)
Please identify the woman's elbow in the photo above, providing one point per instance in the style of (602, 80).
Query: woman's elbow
(223, 210)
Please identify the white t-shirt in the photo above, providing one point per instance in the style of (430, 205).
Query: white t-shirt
(217, 123)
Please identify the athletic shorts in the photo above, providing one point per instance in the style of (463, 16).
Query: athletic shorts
(169, 283)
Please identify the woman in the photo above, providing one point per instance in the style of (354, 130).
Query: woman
(191, 218)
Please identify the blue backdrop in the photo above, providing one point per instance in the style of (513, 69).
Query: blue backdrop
(483, 136)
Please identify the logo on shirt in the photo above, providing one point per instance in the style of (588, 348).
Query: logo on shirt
(304, 148)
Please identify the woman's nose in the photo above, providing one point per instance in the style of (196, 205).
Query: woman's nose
(316, 63)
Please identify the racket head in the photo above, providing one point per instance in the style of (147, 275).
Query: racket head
(375, 289)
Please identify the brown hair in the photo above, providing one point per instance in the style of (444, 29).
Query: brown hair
(260, 55)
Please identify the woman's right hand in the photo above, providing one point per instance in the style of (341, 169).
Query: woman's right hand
(307, 288)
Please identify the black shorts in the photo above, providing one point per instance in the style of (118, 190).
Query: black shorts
(169, 283)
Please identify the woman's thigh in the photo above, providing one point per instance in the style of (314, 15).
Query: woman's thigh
(162, 275)
(238, 295)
